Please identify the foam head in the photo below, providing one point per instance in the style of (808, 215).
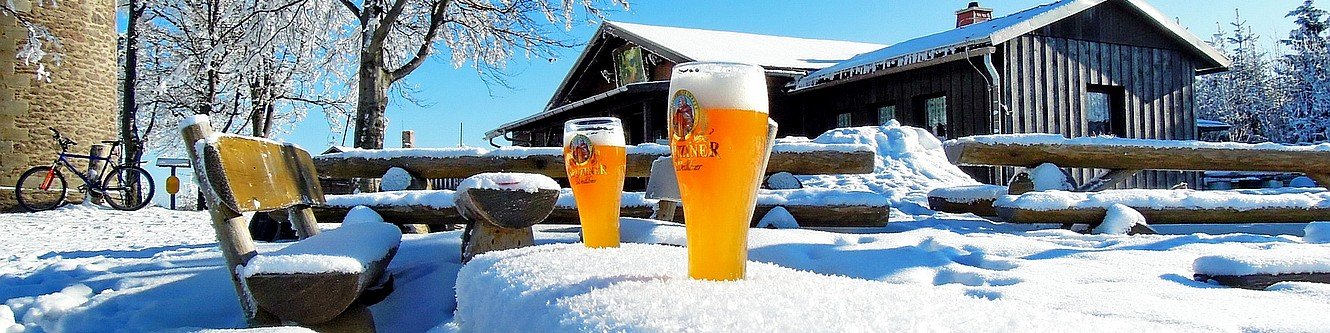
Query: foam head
(722, 85)
(602, 131)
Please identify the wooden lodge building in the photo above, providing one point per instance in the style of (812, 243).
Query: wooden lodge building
(1072, 67)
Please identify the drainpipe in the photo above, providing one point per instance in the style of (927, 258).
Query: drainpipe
(994, 87)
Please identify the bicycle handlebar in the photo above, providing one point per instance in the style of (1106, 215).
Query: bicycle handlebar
(65, 143)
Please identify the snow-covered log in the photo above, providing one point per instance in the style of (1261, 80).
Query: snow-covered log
(1030, 150)
(1169, 206)
(501, 208)
(802, 159)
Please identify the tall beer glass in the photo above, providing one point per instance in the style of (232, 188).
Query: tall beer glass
(594, 153)
(718, 133)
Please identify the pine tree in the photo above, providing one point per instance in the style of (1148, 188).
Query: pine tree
(1305, 92)
(1242, 96)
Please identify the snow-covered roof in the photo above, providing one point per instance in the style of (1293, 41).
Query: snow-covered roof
(772, 52)
(976, 36)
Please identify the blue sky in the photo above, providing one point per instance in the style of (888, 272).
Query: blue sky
(457, 96)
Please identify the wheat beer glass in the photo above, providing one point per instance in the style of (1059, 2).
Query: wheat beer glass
(718, 132)
(594, 153)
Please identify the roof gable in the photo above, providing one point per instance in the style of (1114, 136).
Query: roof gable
(771, 52)
(997, 31)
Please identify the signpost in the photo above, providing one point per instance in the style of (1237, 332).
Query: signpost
(173, 182)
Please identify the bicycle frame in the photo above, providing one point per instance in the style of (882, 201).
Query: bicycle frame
(63, 159)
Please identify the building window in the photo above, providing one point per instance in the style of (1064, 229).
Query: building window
(843, 120)
(886, 113)
(1104, 111)
(932, 109)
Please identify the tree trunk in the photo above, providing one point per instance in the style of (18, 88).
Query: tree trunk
(128, 102)
(371, 123)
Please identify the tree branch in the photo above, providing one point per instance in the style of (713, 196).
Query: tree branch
(436, 20)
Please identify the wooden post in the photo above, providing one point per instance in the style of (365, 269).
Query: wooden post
(232, 229)
(1107, 180)
(1320, 179)
(408, 139)
(501, 219)
(665, 209)
(94, 173)
(302, 218)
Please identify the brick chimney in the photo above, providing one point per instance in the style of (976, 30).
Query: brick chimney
(973, 14)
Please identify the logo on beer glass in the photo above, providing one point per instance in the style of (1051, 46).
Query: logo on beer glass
(581, 150)
(683, 115)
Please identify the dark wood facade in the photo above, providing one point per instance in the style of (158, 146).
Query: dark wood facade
(1043, 84)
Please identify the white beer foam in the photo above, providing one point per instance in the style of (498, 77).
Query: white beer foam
(605, 137)
(722, 85)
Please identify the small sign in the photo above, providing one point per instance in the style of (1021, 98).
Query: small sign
(173, 162)
(172, 184)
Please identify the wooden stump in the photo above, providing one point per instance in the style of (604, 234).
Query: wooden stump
(501, 219)
(313, 298)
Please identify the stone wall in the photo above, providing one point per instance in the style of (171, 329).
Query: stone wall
(80, 98)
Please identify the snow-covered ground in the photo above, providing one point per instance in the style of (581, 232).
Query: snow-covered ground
(91, 269)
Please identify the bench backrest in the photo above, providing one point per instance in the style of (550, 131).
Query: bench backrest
(252, 174)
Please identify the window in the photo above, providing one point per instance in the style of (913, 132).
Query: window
(843, 120)
(932, 109)
(886, 113)
(1103, 110)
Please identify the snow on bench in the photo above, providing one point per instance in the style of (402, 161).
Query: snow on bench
(362, 239)
(1294, 205)
(645, 288)
(1258, 269)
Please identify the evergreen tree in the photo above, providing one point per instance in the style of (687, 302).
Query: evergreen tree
(1303, 79)
(1242, 96)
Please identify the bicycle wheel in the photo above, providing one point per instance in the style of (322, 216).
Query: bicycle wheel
(127, 188)
(40, 188)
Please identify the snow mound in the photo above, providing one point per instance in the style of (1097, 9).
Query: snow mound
(441, 199)
(1302, 181)
(43, 313)
(396, 179)
(1240, 200)
(1280, 259)
(1317, 232)
(526, 182)
(350, 248)
(778, 218)
(1119, 220)
(909, 163)
(645, 288)
(1048, 176)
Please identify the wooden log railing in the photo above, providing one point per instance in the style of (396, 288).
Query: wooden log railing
(799, 158)
(1138, 154)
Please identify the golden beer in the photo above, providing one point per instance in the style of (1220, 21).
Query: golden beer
(718, 139)
(594, 155)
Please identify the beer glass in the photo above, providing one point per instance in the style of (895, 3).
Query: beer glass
(718, 139)
(595, 155)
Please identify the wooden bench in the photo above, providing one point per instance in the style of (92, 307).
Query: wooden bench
(1125, 157)
(309, 282)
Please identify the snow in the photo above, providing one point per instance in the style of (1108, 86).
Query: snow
(1317, 232)
(627, 199)
(806, 147)
(1048, 176)
(1241, 200)
(944, 272)
(441, 199)
(1049, 139)
(820, 197)
(361, 240)
(526, 182)
(969, 193)
(192, 120)
(1119, 220)
(396, 179)
(1302, 181)
(909, 162)
(764, 50)
(1275, 259)
(778, 218)
(406, 152)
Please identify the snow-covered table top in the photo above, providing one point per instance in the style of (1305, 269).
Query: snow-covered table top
(644, 288)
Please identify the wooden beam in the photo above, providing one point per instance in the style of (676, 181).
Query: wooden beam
(808, 216)
(1137, 157)
(1107, 180)
(314, 298)
(639, 164)
(1262, 281)
(981, 207)
(1169, 216)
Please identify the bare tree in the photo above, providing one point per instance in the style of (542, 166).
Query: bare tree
(396, 36)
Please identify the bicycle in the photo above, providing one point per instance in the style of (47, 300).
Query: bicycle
(126, 187)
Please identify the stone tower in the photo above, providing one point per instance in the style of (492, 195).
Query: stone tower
(79, 99)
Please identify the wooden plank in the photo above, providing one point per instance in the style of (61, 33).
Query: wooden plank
(1169, 216)
(827, 216)
(981, 207)
(639, 165)
(259, 175)
(1137, 157)
(1262, 281)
